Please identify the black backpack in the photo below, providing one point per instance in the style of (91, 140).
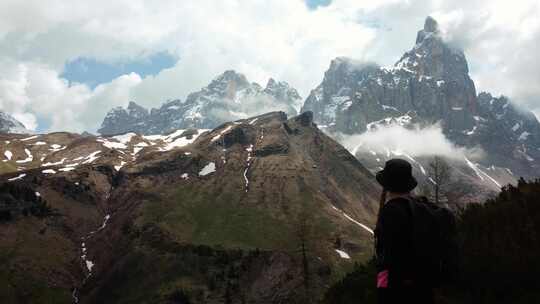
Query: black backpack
(434, 242)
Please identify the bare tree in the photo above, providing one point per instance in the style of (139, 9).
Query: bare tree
(439, 174)
(304, 234)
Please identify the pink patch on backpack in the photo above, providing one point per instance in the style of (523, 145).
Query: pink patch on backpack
(382, 279)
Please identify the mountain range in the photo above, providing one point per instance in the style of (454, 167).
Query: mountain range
(242, 194)
(429, 84)
(230, 96)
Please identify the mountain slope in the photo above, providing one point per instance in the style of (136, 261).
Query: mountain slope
(224, 208)
(230, 96)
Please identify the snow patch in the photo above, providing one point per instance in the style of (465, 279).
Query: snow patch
(89, 265)
(221, 133)
(20, 176)
(385, 107)
(54, 164)
(124, 138)
(179, 142)
(91, 158)
(29, 138)
(248, 165)
(56, 148)
(343, 254)
(353, 220)
(481, 174)
(8, 154)
(209, 168)
(67, 169)
(524, 135)
(122, 163)
(28, 159)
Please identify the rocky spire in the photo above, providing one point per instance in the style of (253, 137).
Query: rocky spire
(431, 27)
(136, 110)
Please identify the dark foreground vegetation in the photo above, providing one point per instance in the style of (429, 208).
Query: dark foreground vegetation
(499, 250)
(19, 200)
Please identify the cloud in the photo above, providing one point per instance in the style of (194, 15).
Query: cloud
(27, 119)
(283, 39)
(31, 89)
(414, 142)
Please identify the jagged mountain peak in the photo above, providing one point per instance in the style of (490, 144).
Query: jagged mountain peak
(431, 25)
(432, 56)
(430, 30)
(227, 79)
(136, 110)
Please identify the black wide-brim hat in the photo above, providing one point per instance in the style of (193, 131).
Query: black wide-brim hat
(397, 176)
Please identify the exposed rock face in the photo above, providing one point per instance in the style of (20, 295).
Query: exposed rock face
(8, 124)
(509, 134)
(228, 97)
(431, 79)
(118, 118)
(430, 83)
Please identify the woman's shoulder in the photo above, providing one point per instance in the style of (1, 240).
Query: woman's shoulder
(396, 205)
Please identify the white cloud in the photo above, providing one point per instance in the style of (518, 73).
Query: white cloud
(280, 39)
(415, 142)
(30, 89)
(27, 119)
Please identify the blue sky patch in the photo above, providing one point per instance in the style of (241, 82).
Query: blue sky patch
(313, 4)
(93, 72)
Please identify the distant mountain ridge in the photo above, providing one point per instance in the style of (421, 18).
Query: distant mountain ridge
(230, 96)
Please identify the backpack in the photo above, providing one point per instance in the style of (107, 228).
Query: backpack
(434, 242)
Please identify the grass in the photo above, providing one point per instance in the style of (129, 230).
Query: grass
(6, 167)
(196, 217)
(24, 268)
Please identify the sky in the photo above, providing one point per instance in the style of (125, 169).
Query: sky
(64, 64)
